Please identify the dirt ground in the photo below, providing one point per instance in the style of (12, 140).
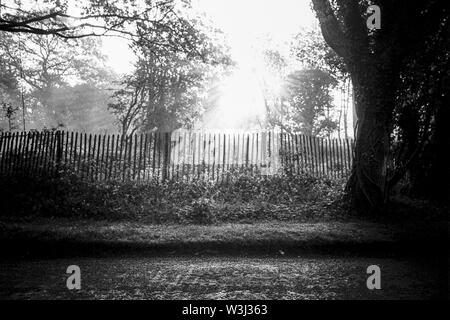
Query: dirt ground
(319, 277)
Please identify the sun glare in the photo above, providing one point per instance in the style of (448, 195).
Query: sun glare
(241, 104)
(251, 26)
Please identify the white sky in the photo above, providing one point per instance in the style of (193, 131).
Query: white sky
(244, 22)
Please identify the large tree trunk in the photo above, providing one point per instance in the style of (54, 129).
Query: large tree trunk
(371, 64)
(367, 186)
(374, 58)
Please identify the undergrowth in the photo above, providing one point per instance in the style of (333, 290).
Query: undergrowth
(244, 198)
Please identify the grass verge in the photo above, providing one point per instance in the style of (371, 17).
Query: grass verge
(56, 237)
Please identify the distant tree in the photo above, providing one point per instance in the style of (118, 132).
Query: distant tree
(309, 102)
(46, 63)
(49, 48)
(168, 87)
(272, 84)
(10, 114)
(303, 103)
(9, 96)
(310, 49)
(127, 103)
(82, 107)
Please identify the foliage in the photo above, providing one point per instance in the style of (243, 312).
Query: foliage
(168, 87)
(200, 211)
(46, 62)
(312, 52)
(376, 60)
(82, 107)
(96, 17)
(310, 49)
(9, 97)
(310, 101)
(50, 69)
(243, 198)
(304, 103)
(421, 120)
(9, 112)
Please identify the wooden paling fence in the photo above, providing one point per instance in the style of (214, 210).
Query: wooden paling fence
(173, 155)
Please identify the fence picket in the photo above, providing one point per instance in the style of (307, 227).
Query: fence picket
(173, 155)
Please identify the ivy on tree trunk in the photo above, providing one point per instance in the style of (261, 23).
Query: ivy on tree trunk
(373, 58)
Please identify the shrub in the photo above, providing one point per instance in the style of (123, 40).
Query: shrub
(243, 198)
(200, 211)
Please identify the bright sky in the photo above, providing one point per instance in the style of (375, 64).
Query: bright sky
(244, 22)
(249, 25)
(247, 21)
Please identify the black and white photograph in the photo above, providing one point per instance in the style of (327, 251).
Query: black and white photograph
(224, 157)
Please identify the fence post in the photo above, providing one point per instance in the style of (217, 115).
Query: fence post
(166, 156)
(59, 151)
